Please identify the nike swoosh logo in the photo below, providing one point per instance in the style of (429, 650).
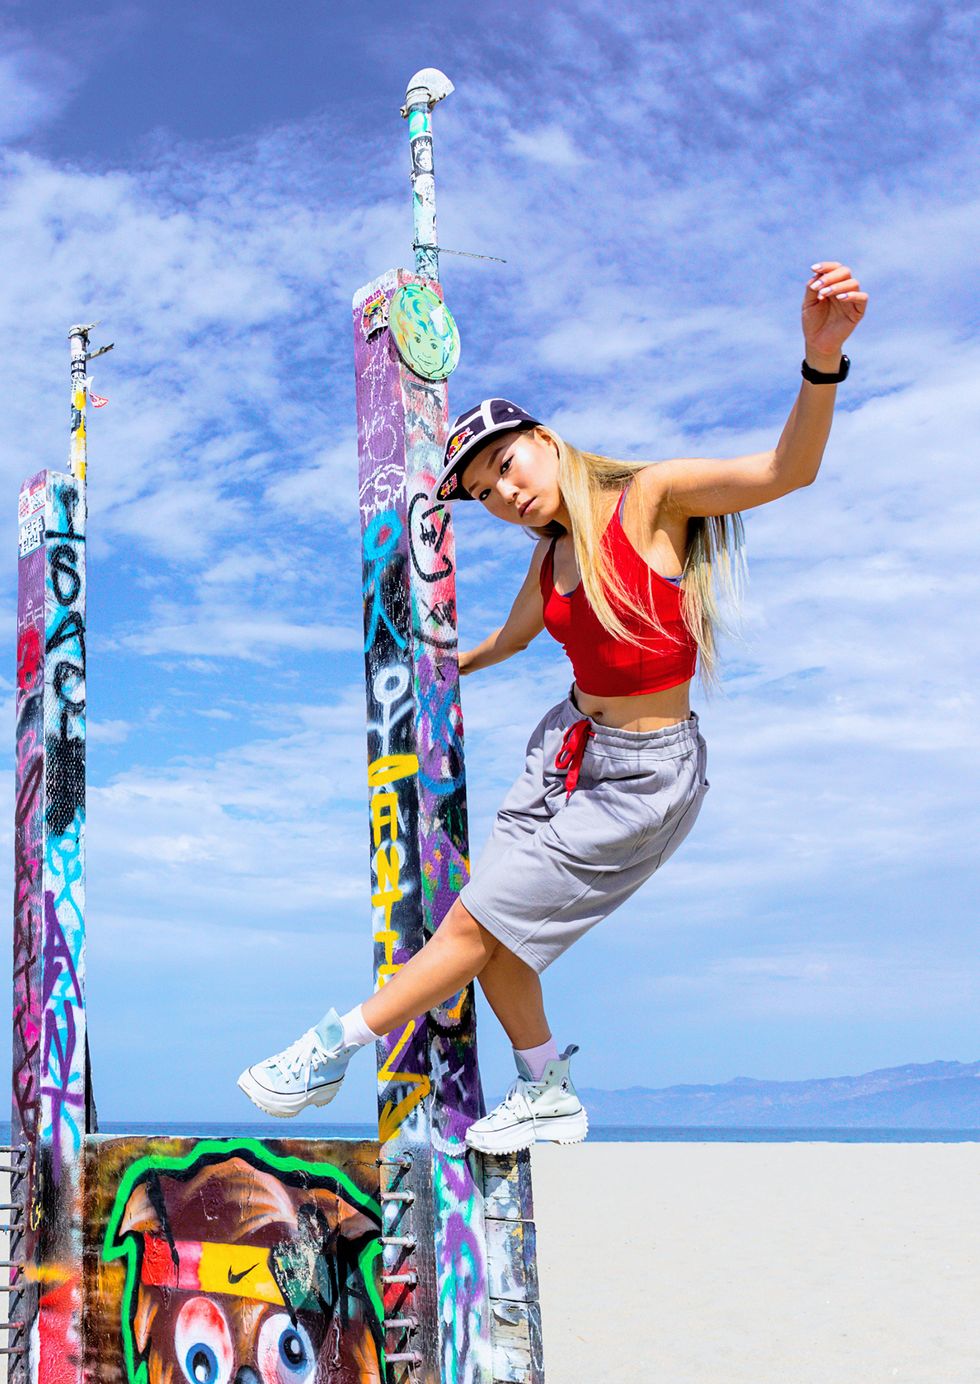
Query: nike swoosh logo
(237, 1277)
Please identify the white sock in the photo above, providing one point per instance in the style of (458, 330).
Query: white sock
(538, 1058)
(356, 1032)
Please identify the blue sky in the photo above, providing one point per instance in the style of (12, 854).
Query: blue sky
(214, 183)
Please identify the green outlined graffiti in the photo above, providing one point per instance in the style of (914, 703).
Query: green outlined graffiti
(302, 1246)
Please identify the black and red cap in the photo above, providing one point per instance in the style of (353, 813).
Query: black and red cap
(470, 431)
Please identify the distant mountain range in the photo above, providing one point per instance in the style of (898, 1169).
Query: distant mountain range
(931, 1095)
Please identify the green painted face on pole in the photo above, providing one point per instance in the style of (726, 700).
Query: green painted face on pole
(425, 333)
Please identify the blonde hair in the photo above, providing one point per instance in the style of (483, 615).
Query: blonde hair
(714, 564)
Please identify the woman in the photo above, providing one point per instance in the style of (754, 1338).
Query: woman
(625, 577)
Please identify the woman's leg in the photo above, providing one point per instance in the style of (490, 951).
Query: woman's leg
(513, 991)
(457, 951)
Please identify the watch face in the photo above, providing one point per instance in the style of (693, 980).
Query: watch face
(425, 332)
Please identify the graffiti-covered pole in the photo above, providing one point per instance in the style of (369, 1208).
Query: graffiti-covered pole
(53, 1108)
(459, 1280)
(435, 1261)
(424, 90)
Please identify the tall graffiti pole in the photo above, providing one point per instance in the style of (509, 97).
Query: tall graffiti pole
(52, 1105)
(443, 1286)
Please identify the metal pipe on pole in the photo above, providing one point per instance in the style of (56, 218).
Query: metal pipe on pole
(425, 90)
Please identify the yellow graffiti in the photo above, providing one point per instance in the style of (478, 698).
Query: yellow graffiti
(78, 444)
(389, 892)
(457, 1008)
(48, 1273)
(387, 865)
(391, 767)
(384, 813)
(393, 1115)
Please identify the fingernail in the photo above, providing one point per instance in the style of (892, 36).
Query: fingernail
(823, 293)
(814, 267)
(843, 295)
(816, 283)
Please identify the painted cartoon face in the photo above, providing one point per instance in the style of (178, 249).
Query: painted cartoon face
(219, 1344)
(284, 1295)
(515, 477)
(424, 332)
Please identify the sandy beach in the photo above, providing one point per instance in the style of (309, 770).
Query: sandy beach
(759, 1263)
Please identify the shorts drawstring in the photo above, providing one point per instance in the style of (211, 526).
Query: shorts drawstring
(572, 752)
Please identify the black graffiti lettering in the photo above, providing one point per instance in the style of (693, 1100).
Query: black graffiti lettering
(71, 626)
(443, 612)
(69, 499)
(64, 574)
(434, 536)
(65, 673)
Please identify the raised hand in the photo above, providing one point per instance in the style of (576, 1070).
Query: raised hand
(833, 305)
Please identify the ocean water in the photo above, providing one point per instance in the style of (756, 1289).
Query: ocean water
(598, 1134)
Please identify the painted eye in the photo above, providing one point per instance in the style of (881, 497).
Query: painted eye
(203, 1342)
(505, 467)
(483, 494)
(201, 1363)
(286, 1354)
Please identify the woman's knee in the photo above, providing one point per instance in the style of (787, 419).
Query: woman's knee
(460, 928)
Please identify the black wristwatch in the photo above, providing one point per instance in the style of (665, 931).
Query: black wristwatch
(823, 376)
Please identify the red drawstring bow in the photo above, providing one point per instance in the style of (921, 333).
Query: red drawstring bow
(572, 752)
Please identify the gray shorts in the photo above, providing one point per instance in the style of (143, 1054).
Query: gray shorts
(556, 865)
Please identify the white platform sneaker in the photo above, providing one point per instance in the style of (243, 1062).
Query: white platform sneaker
(308, 1072)
(544, 1111)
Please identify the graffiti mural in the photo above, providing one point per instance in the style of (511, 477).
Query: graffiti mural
(232, 1261)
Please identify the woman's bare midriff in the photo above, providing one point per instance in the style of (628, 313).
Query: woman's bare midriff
(650, 711)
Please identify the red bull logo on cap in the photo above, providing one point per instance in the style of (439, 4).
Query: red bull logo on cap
(448, 486)
(456, 442)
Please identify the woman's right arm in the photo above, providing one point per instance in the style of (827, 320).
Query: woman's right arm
(524, 623)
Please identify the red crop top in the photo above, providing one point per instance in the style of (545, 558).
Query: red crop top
(603, 665)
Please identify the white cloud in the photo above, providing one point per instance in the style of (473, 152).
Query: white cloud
(550, 144)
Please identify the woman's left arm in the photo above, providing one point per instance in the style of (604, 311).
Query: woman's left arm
(833, 305)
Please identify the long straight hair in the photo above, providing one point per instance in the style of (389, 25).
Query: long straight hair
(714, 562)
